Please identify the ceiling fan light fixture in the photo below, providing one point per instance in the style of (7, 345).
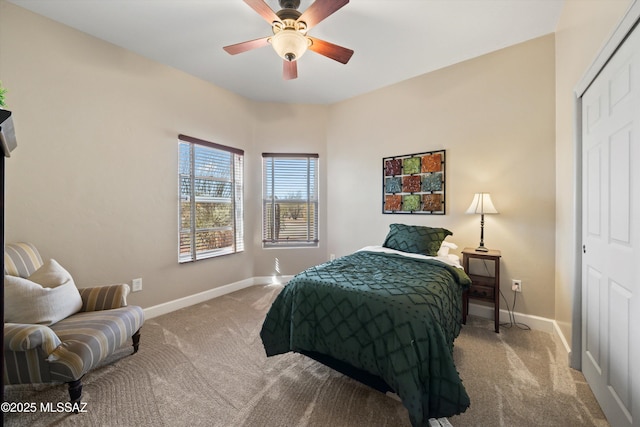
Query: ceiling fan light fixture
(289, 44)
(290, 26)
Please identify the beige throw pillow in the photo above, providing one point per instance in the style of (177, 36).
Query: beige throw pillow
(46, 297)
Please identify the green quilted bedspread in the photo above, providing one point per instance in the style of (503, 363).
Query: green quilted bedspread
(391, 316)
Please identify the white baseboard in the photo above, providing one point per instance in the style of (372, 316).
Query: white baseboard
(565, 343)
(534, 322)
(177, 304)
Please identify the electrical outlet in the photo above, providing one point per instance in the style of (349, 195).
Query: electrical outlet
(136, 285)
(516, 285)
(332, 257)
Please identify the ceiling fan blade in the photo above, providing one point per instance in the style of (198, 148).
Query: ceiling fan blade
(330, 50)
(263, 10)
(289, 70)
(319, 10)
(234, 49)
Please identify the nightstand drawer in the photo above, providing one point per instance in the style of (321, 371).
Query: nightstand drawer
(481, 291)
(482, 280)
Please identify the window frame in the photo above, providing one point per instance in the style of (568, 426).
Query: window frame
(313, 198)
(236, 173)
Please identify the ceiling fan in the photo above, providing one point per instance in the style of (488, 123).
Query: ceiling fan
(290, 39)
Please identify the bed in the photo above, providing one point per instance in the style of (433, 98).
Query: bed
(386, 315)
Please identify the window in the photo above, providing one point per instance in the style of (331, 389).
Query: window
(289, 200)
(210, 199)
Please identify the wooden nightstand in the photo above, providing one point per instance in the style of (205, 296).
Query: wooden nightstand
(483, 287)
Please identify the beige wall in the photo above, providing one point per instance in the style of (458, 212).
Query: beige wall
(284, 128)
(93, 179)
(583, 29)
(495, 117)
(92, 182)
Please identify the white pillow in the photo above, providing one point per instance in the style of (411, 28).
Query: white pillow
(46, 297)
(444, 248)
(454, 259)
(449, 244)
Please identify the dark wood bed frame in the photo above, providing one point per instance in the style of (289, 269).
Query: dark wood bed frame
(357, 374)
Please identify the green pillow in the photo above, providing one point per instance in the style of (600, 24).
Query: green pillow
(415, 239)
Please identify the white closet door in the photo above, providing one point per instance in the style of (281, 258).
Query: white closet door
(611, 235)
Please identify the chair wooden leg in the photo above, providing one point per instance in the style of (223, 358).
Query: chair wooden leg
(136, 341)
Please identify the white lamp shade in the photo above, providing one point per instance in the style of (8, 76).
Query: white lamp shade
(289, 42)
(482, 204)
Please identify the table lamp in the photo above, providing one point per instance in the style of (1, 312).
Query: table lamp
(482, 205)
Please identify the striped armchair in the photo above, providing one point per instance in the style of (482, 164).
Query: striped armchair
(66, 350)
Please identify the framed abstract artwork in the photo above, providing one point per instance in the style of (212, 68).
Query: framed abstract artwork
(414, 183)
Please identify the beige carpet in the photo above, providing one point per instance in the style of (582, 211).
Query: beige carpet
(205, 366)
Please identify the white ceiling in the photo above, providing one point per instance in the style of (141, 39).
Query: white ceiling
(393, 40)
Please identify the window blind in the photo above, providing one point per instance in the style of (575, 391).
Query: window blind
(290, 200)
(211, 208)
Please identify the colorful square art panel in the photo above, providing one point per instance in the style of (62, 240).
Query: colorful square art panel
(431, 163)
(431, 182)
(411, 165)
(393, 185)
(393, 167)
(411, 202)
(432, 202)
(393, 203)
(414, 183)
(411, 184)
